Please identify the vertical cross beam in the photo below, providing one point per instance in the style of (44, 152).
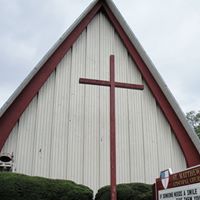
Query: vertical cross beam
(112, 130)
(112, 84)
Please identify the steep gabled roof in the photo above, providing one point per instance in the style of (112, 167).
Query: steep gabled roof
(15, 106)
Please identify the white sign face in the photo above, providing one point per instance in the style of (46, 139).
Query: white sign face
(187, 192)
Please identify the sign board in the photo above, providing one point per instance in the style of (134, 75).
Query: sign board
(183, 185)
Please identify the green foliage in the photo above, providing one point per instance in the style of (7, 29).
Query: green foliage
(21, 187)
(194, 120)
(131, 191)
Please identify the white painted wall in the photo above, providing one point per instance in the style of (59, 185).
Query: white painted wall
(64, 132)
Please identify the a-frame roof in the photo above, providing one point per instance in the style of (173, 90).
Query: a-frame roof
(15, 106)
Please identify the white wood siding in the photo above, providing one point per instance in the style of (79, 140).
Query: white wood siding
(26, 139)
(58, 160)
(11, 143)
(64, 132)
(75, 142)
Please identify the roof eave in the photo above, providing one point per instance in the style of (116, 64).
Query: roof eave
(156, 74)
(44, 59)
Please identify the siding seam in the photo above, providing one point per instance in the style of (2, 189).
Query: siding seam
(157, 127)
(52, 118)
(144, 157)
(17, 132)
(99, 142)
(34, 137)
(69, 103)
(83, 170)
(129, 131)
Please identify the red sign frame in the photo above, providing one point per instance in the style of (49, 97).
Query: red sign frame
(187, 177)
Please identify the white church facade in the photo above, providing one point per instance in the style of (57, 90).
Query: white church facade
(58, 128)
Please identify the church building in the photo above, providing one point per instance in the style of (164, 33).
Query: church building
(57, 126)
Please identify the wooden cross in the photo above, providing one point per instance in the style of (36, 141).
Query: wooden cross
(112, 84)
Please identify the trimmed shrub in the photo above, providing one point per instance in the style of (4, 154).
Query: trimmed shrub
(21, 187)
(130, 191)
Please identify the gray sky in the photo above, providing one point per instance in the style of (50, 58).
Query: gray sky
(169, 31)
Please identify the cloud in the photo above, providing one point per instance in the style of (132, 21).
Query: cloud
(168, 30)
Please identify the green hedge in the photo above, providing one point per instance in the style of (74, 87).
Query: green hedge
(21, 187)
(131, 191)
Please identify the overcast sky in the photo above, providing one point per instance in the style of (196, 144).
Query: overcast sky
(169, 31)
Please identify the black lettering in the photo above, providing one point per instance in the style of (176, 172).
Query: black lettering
(178, 193)
(168, 195)
(187, 198)
(192, 192)
(196, 197)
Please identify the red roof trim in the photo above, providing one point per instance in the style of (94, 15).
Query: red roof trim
(189, 150)
(15, 110)
(13, 113)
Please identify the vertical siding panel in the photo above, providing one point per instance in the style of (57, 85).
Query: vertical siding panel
(150, 135)
(58, 160)
(44, 128)
(178, 160)
(136, 139)
(164, 141)
(26, 135)
(10, 145)
(106, 49)
(122, 131)
(122, 137)
(75, 151)
(91, 137)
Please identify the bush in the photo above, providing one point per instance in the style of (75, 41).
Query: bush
(21, 187)
(131, 191)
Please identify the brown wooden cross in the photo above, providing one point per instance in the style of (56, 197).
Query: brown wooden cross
(112, 84)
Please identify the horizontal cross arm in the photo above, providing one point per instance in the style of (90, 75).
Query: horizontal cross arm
(107, 83)
(129, 86)
(94, 82)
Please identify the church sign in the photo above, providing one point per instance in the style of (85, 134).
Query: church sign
(184, 185)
